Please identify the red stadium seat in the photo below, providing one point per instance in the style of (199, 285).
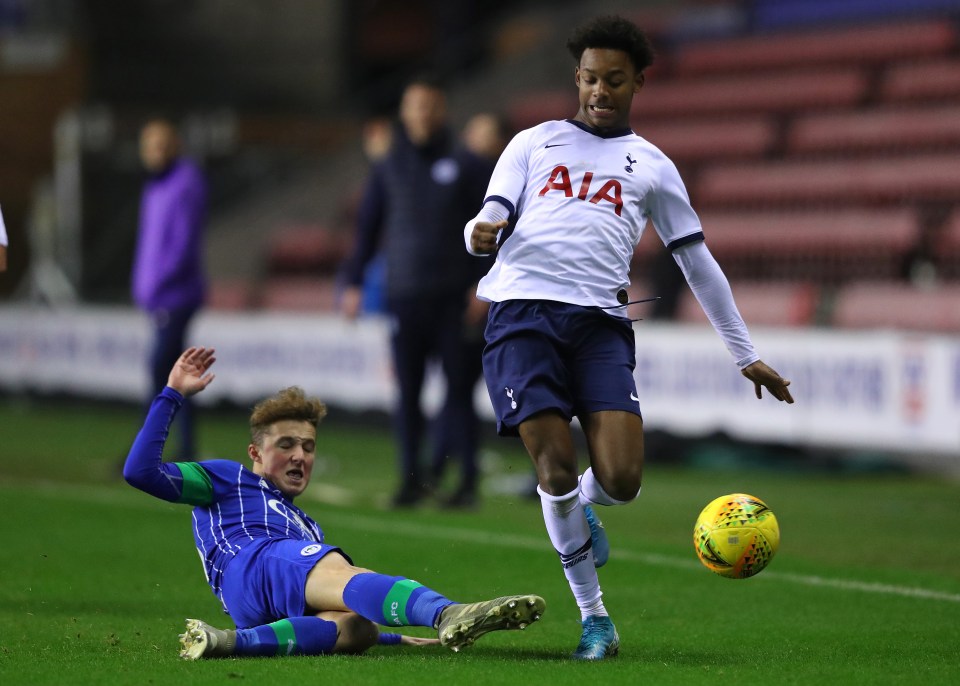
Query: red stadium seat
(761, 93)
(774, 303)
(536, 108)
(649, 244)
(876, 130)
(230, 294)
(828, 245)
(307, 248)
(936, 80)
(887, 305)
(947, 247)
(856, 45)
(299, 294)
(932, 177)
(708, 139)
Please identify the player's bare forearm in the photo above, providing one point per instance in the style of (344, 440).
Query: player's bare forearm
(190, 373)
(764, 376)
(483, 239)
(419, 642)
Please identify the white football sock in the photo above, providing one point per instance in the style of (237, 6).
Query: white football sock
(570, 534)
(592, 493)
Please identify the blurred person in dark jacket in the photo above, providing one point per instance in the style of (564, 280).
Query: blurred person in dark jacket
(168, 280)
(411, 206)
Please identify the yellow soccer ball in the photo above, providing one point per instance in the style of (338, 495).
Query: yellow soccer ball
(736, 535)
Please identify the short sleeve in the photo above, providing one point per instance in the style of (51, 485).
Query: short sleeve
(509, 177)
(668, 206)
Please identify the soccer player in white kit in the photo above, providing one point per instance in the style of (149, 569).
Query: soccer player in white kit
(564, 210)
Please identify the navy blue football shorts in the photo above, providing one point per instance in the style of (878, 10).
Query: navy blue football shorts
(266, 583)
(545, 355)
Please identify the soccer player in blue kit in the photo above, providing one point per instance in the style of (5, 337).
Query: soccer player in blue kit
(563, 212)
(286, 589)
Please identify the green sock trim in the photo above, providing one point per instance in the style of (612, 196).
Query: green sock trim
(395, 604)
(286, 637)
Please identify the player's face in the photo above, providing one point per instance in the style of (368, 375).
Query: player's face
(607, 81)
(286, 456)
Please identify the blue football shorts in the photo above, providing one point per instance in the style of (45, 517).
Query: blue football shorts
(266, 583)
(545, 355)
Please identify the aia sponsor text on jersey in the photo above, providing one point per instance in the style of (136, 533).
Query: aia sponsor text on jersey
(609, 191)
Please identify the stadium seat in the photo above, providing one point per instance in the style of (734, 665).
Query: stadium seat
(847, 45)
(299, 294)
(768, 15)
(947, 247)
(536, 108)
(829, 245)
(230, 294)
(760, 93)
(933, 80)
(306, 248)
(774, 303)
(889, 305)
(649, 244)
(707, 139)
(876, 130)
(930, 177)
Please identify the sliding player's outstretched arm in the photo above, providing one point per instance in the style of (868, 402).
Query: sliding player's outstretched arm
(144, 468)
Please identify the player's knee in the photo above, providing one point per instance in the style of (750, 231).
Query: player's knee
(556, 479)
(355, 634)
(623, 484)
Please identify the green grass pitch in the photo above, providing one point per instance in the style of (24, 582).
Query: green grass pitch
(97, 577)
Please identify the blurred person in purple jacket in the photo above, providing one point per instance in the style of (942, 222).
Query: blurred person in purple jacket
(168, 278)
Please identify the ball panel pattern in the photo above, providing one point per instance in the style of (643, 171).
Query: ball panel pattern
(736, 535)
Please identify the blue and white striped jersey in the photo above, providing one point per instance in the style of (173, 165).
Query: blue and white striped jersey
(234, 507)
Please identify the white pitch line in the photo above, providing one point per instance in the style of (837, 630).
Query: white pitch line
(111, 496)
(489, 538)
(865, 586)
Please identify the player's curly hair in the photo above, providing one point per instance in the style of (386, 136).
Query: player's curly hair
(614, 33)
(290, 403)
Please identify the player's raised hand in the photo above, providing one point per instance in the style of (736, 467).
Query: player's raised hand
(483, 239)
(763, 376)
(190, 373)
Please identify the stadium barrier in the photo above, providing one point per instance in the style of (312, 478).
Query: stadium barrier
(878, 389)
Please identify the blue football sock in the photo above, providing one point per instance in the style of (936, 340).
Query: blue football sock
(294, 636)
(393, 600)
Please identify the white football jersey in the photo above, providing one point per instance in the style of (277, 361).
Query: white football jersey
(580, 202)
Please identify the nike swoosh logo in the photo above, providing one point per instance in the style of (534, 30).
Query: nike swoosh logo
(634, 398)
(555, 145)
